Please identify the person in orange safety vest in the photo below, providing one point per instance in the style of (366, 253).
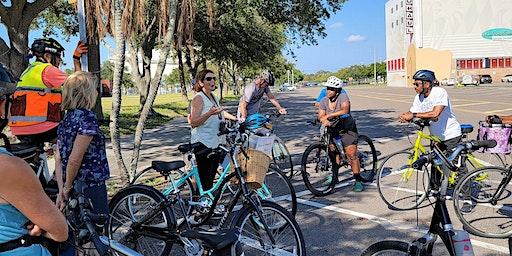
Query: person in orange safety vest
(35, 111)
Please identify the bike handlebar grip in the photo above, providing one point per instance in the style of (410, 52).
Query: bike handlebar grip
(483, 144)
(418, 164)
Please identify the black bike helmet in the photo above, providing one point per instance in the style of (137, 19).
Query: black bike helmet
(7, 82)
(424, 75)
(46, 45)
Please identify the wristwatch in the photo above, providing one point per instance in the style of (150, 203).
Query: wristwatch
(413, 115)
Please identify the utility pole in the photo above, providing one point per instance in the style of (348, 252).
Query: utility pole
(288, 75)
(293, 78)
(374, 66)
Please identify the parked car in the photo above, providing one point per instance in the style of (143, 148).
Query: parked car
(485, 79)
(287, 88)
(470, 79)
(449, 81)
(507, 79)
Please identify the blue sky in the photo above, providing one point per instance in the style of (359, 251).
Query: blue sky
(352, 35)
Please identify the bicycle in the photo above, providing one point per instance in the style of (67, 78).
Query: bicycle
(275, 185)
(156, 220)
(482, 202)
(402, 187)
(281, 156)
(440, 224)
(319, 173)
(85, 224)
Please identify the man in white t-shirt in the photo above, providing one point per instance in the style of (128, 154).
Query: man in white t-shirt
(434, 103)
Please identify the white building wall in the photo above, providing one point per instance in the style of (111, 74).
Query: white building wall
(396, 39)
(457, 25)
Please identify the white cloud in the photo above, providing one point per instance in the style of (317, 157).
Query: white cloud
(355, 38)
(336, 25)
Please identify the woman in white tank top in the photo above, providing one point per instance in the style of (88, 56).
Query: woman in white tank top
(206, 116)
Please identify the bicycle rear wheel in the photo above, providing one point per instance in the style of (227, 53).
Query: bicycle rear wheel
(401, 186)
(282, 157)
(367, 158)
(151, 177)
(474, 205)
(318, 173)
(128, 207)
(390, 248)
(254, 240)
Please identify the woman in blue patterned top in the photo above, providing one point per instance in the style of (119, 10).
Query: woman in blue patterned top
(81, 143)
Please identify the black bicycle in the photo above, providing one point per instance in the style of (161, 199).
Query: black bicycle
(440, 224)
(320, 168)
(144, 219)
(87, 227)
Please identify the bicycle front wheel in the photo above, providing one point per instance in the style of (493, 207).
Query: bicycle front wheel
(282, 157)
(390, 248)
(367, 158)
(401, 186)
(483, 202)
(318, 173)
(254, 239)
(129, 206)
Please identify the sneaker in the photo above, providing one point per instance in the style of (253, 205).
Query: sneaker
(358, 186)
(327, 181)
(467, 207)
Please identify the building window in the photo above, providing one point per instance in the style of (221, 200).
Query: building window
(508, 63)
(480, 62)
(494, 63)
(403, 63)
(402, 20)
(463, 64)
(396, 8)
(391, 10)
(458, 64)
(501, 63)
(469, 64)
(392, 24)
(397, 23)
(401, 4)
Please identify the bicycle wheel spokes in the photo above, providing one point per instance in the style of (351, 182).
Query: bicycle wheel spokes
(128, 209)
(282, 158)
(317, 170)
(367, 158)
(401, 186)
(483, 205)
(278, 189)
(254, 240)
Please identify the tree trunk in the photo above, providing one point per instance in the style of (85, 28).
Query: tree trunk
(17, 19)
(116, 92)
(221, 77)
(184, 93)
(93, 57)
(139, 131)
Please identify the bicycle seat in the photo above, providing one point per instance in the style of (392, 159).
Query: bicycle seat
(187, 147)
(466, 128)
(216, 240)
(165, 168)
(22, 150)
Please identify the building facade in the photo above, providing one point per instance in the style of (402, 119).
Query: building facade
(451, 37)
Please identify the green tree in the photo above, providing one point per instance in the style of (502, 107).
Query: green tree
(17, 19)
(107, 72)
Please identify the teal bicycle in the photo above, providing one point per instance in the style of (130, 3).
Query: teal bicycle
(212, 202)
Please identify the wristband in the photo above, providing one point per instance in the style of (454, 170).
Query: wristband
(413, 115)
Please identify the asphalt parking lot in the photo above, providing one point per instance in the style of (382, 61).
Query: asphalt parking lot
(345, 223)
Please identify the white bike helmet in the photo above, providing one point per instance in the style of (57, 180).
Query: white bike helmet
(334, 82)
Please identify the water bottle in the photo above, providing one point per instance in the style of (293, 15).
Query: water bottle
(462, 243)
(337, 141)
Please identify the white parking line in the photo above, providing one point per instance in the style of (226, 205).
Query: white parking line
(392, 224)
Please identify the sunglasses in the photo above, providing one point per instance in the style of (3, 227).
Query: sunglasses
(416, 84)
(210, 78)
(332, 89)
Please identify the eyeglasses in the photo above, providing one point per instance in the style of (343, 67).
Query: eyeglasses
(416, 84)
(210, 78)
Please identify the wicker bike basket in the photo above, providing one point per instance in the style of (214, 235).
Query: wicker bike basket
(255, 167)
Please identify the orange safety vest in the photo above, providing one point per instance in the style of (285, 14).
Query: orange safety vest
(33, 102)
